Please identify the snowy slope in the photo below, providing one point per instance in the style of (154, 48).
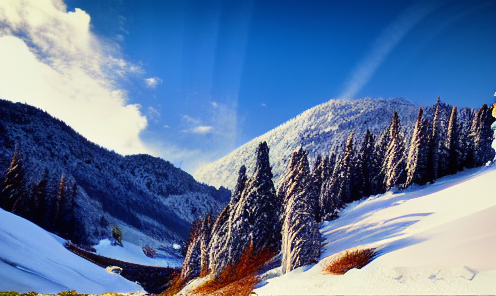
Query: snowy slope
(32, 259)
(435, 239)
(320, 130)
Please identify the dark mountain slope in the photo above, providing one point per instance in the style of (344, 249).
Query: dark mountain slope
(146, 196)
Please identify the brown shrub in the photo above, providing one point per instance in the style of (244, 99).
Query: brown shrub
(240, 278)
(349, 259)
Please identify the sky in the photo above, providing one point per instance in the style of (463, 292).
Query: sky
(191, 80)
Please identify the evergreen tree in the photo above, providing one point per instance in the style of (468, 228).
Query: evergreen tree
(416, 165)
(13, 189)
(301, 243)
(63, 216)
(482, 136)
(394, 161)
(466, 142)
(192, 260)
(255, 218)
(365, 166)
(205, 236)
(337, 190)
(287, 179)
(381, 145)
(218, 255)
(435, 142)
(452, 143)
(40, 196)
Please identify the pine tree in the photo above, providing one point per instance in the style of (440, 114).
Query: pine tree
(40, 196)
(301, 243)
(416, 165)
(205, 236)
(287, 179)
(365, 166)
(192, 260)
(434, 144)
(63, 215)
(466, 142)
(452, 143)
(482, 136)
(381, 145)
(255, 218)
(394, 161)
(337, 190)
(14, 182)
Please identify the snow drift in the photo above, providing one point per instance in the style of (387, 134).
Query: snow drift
(434, 239)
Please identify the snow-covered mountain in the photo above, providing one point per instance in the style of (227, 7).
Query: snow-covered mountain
(150, 199)
(432, 239)
(319, 130)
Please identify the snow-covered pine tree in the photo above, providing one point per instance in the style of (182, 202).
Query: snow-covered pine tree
(219, 248)
(365, 166)
(416, 164)
(394, 161)
(288, 178)
(482, 136)
(301, 242)
(14, 187)
(466, 142)
(435, 142)
(218, 255)
(191, 264)
(255, 218)
(380, 149)
(337, 190)
(205, 236)
(451, 143)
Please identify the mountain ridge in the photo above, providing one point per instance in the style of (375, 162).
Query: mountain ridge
(319, 130)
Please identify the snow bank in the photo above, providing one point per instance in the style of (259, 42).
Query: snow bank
(435, 239)
(31, 259)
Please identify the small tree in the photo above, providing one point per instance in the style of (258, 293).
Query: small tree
(117, 235)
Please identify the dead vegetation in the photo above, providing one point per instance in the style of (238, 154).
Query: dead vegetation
(353, 258)
(237, 279)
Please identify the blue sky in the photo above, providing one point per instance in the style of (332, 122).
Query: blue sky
(211, 75)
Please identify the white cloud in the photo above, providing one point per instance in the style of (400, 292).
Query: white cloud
(152, 82)
(214, 104)
(60, 66)
(202, 129)
(190, 119)
(384, 44)
(166, 126)
(263, 105)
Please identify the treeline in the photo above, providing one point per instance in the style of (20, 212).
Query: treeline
(288, 219)
(52, 212)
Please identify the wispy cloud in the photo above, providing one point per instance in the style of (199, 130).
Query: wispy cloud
(49, 58)
(202, 129)
(190, 119)
(152, 82)
(153, 114)
(384, 44)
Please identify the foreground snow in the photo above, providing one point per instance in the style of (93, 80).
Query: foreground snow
(32, 259)
(435, 239)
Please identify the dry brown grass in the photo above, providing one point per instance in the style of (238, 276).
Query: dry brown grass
(353, 258)
(237, 279)
(176, 285)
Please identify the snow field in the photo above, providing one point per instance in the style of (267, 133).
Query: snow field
(433, 239)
